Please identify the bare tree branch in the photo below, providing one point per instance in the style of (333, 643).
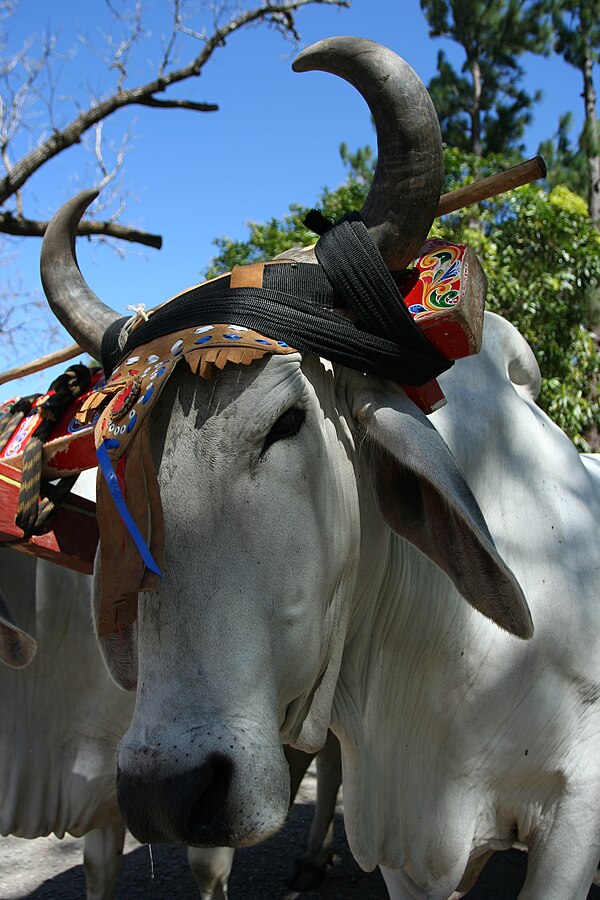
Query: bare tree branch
(177, 19)
(136, 30)
(279, 15)
(22, 227)
(22, 310)
(179, 104)
(39, 118)
(109, 175)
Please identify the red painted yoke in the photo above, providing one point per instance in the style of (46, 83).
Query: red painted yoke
(73, 538)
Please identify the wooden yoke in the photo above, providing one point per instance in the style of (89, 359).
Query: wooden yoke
(445, 295)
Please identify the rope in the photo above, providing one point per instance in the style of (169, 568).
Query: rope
(139, 315)
(31, 478)
(50, 504)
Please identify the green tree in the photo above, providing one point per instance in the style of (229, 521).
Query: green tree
(566, 162)
(577, 38)
(483, 108)
(541, 255)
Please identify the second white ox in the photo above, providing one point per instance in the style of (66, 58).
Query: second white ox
(320, 544)
(61, 718)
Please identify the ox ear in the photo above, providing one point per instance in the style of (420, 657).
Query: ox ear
(17, 648)
(119, 650)
(424, 497)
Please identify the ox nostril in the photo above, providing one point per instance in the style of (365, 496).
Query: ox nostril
(206, 814)
(188, 808)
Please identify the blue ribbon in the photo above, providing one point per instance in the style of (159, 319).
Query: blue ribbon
(115, 491)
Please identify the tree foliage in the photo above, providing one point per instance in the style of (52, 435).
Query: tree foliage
(540, 252)
(484, 108)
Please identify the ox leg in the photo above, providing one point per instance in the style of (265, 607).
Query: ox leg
(399, 886)
(472, 873)
(310, 867)
(562, 861)
(298, 761)
(102, 858)
(211, 867)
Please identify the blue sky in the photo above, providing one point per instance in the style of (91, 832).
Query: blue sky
(194, 176)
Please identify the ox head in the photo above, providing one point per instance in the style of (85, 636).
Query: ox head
(280, 482)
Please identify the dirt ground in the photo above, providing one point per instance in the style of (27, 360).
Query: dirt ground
(49, 869)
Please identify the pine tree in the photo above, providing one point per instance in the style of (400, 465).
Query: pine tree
(484, 109)
(577, 39)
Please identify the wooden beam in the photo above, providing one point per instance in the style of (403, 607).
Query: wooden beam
(44, 362)
(519, 175)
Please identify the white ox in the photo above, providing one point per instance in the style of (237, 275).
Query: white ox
(62, 717)
(456, 738)
(320, 544)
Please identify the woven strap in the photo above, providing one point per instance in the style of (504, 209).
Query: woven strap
(357, 271)
(31, 479)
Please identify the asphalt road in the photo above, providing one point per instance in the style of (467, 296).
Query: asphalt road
(49, 869)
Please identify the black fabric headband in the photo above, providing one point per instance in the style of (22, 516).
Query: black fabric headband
(297, 304)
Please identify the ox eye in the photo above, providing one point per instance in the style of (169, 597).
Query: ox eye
(287, 425)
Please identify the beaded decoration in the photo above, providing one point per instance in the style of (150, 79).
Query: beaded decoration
(136, 384)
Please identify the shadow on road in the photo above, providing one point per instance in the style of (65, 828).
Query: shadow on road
(260, 872)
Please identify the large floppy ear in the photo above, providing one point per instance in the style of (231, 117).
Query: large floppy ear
(424, 497)
(17, 648)
(118, 650)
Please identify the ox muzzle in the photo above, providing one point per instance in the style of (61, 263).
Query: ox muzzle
(204, 787)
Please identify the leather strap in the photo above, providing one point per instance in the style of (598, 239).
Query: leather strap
(250, 276)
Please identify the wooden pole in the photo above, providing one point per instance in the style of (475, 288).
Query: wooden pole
(44, 362)
(490, 187)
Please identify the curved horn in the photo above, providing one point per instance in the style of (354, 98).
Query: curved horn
(74, 304)
(406, 187)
